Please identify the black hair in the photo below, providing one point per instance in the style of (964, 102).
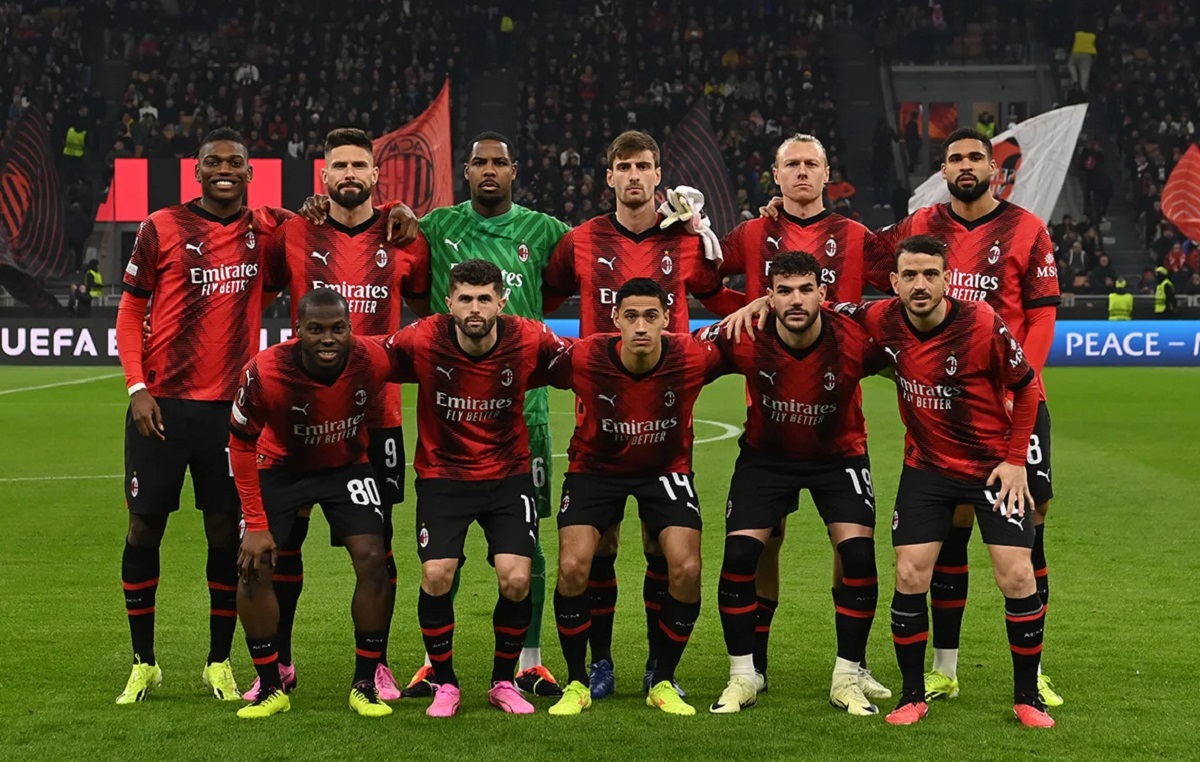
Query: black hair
(224, 133)
(496, 136)
(477, 272)
(792, 263)
(642, 287)
(348, 136)
(920, 244)
(321, 297)
(967, 133)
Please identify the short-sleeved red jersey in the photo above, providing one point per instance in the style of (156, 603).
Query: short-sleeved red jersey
(599, 256)
(205, 277)
(362, 266)
(470, 410)
(804, 404)
(634, 425)
(838, 243)
(952, 384)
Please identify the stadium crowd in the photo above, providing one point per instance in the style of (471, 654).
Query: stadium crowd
(762, 68)
(1147, 56)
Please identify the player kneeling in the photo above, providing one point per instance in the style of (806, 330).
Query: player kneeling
(634, 439)
(298, 438)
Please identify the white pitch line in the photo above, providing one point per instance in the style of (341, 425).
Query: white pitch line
(60, 383)
(728, 432)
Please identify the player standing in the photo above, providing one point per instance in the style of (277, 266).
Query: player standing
(202, 262)
(841, 246)
(955, 363)
(1001, 254)
(474, 366)
(633, 439)
(299, 436)
(804, 430)
(519, 241)
(595, 259)
(350, 253)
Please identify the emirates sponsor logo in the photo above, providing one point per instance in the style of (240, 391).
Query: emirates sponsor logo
(472, 409)
(223, 279)
(363, 299)
(928, 396)
(634, 433)
(794, 411)
(328, 432)
(971, 287)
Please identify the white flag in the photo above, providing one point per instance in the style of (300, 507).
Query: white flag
(1031, 163)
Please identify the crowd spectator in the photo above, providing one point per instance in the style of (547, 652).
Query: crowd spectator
(589, 72)
(934, 32)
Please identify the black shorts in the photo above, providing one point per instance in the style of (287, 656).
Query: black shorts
(925, 503)
(197, 439)
(386, 452)
(505, 508)
(348, 496)
(666, 500)
(1037, 461)
(764, 491)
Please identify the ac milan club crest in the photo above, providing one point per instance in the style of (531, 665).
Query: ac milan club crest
(360, 397)
(523, 253)
(566, 503)
(133, 486)
(667, 264)
(951, 365)
(830, 380)
(994, 253)
(728, 508)
(669, 398)
(1008, 158)
(506, 377)
(831, 248)
(251, 241)
(895, 520)
(381, 257)
(423, 537)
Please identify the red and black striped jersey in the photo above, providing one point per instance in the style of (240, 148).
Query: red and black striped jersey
(803, 404)
(205, 278)
(470, 410)
(303, 423)
(952, 384)
(634, 424)
(362, 266)
(840, 245)
(599, 256)
(1004, 258)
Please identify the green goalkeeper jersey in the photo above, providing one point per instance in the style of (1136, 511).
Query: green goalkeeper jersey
(519, 242)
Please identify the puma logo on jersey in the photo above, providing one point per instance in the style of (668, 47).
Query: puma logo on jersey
(394, 481)
(612, 263)
(610, 400)
(195, 247)
(1044, 474)
(323, 257)
(892, 353)
(379, 512)
(452, 244)
(301, 409)
(769, 376)
(775, 241)
(445, 371)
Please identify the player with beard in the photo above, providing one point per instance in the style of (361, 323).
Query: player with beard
(298, 436)
(841, 245)
(804, 430)
(595, 259)
(202, 262)
(955, 365)
(474, 367)
(350, 254)
(1001, 254)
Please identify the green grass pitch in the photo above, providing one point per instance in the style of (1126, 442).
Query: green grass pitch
(1124, 570)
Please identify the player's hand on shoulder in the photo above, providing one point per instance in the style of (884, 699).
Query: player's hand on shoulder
(772, 209)
(403, 227)
(747, 319)
(315, 209)
(256, 548)
(146, 414)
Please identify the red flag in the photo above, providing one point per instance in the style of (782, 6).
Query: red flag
(415, 161)
(31, 205)
(1181, 195)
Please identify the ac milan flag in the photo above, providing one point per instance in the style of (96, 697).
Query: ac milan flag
(1181, 194)
(1031, 163)
(32, 237)
(416, 161)
(692, 157)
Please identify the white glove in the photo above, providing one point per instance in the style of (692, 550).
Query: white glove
(686, 204)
